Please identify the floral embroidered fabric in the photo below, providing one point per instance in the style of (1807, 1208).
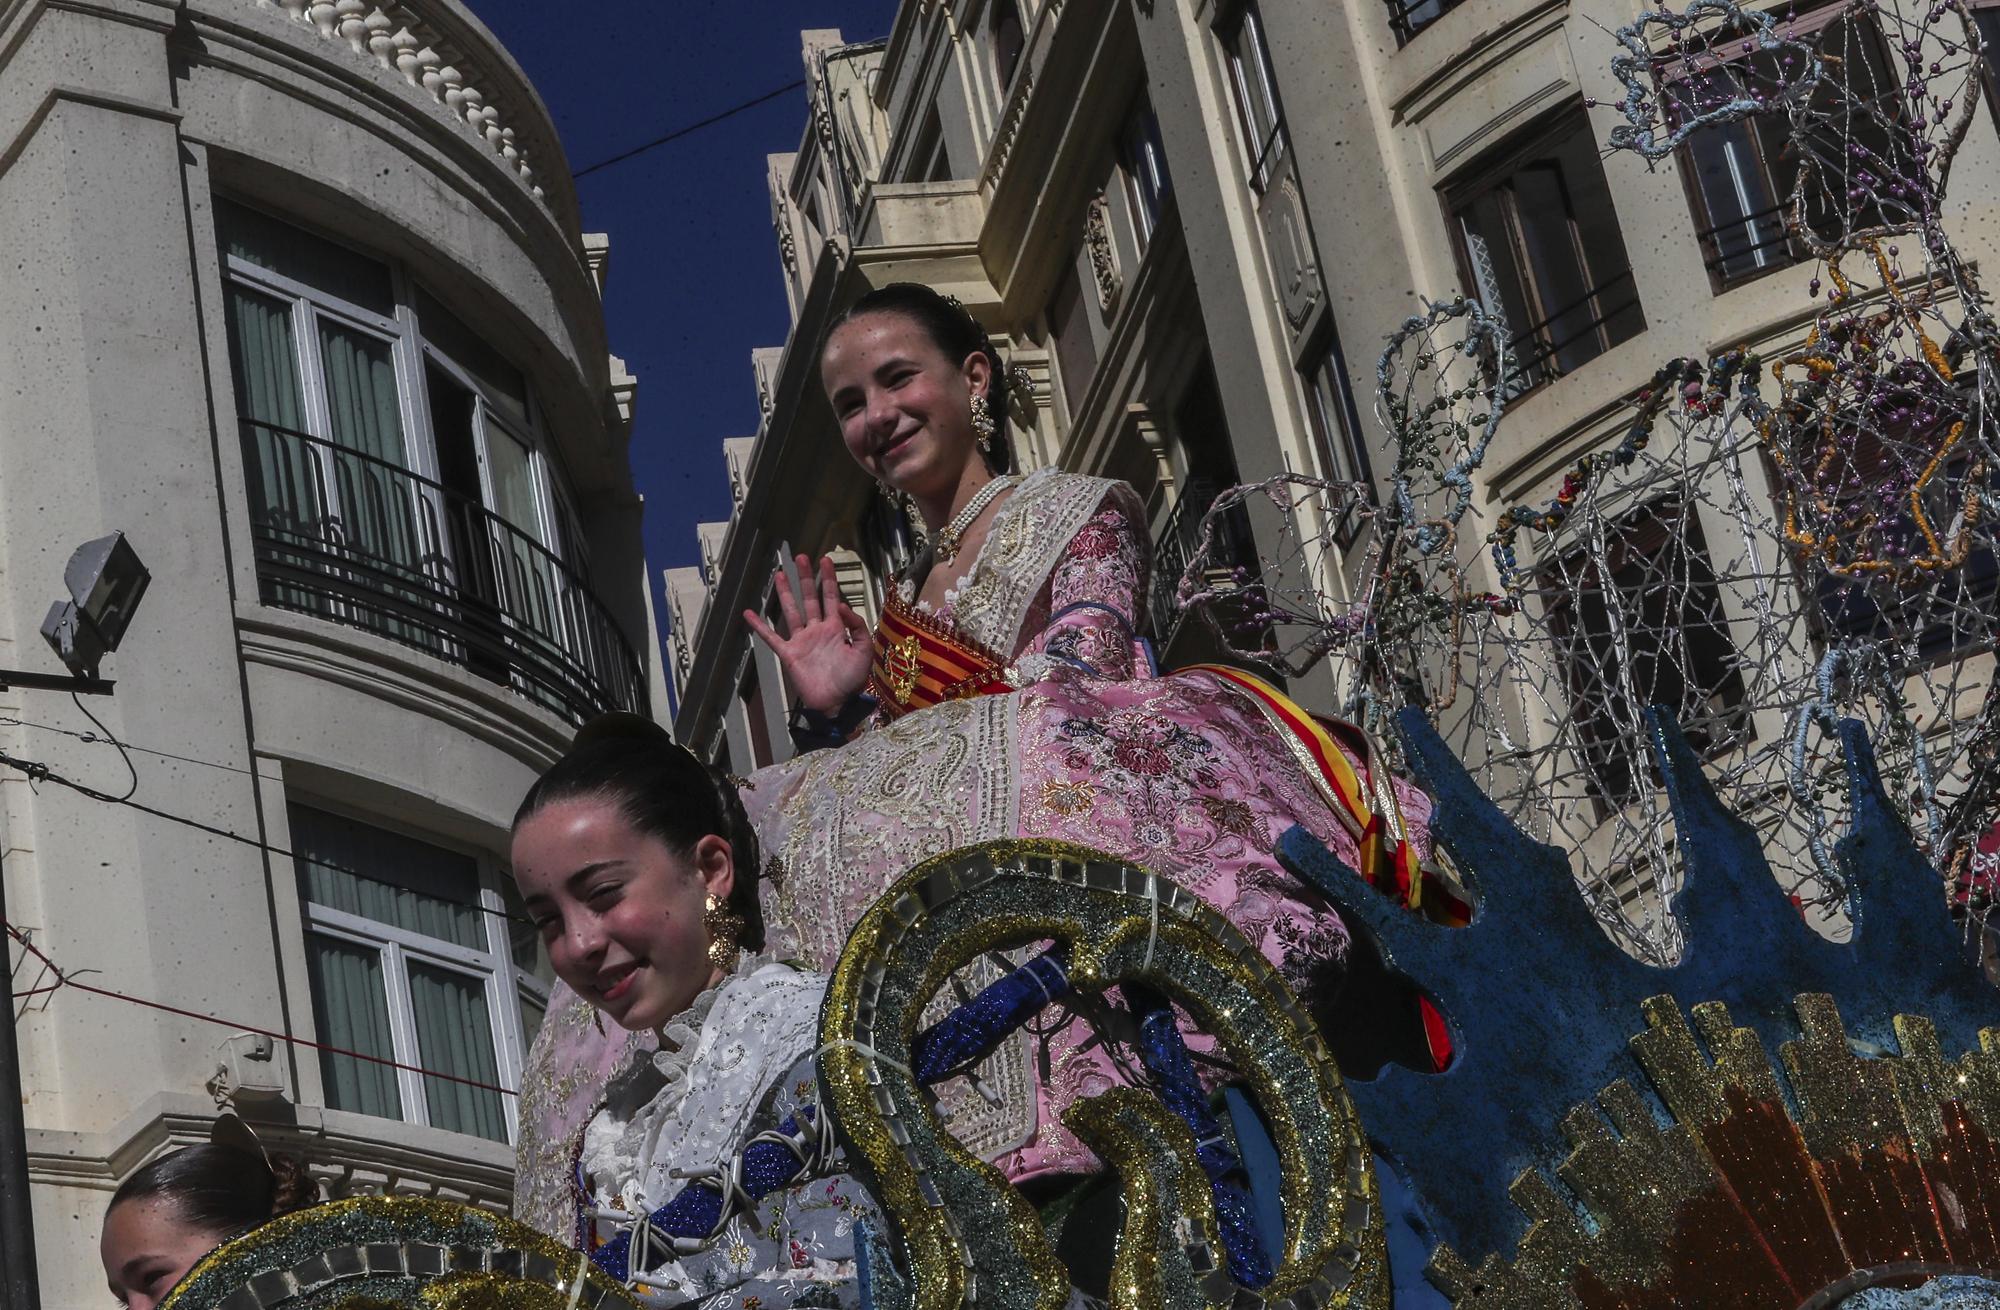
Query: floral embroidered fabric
(1182, 774)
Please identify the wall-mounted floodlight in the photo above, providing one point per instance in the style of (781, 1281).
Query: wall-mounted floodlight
(105, 581)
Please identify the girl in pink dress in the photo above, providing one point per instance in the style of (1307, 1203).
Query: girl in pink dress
(1006, 694)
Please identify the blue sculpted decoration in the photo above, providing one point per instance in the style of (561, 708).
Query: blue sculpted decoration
(1540, 1000)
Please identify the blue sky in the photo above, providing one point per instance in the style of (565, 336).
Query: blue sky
(695, 280)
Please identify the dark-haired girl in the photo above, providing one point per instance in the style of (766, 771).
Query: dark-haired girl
(167, 1216)
(639, 870)
(1005, 693)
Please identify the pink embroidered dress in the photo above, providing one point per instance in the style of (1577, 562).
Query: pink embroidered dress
(1187, 775)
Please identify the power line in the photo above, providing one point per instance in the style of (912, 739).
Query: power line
(104, 736)
(680, 132)
(69, 980)
(36, 771)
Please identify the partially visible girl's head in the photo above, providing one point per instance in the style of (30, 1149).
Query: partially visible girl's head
(617, 850)
(167, 1216)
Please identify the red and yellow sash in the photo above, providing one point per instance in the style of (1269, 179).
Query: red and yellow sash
(921, 661)
(1388, 861)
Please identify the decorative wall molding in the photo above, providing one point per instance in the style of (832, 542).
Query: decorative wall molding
(1102, 250)
(1009, 129)
(1294, 264)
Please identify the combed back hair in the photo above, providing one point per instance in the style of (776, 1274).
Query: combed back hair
(955, 332)
(222, 1189)
(662, 789)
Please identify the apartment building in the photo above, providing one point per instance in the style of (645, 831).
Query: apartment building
(1191, 228)
(296, 297)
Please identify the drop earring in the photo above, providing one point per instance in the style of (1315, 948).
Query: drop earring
(983, 425)
(725, 933)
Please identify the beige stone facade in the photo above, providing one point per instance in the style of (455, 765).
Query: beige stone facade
(1192, 226)
(295, 295)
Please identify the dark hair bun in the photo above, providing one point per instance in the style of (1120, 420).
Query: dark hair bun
(293, 1186)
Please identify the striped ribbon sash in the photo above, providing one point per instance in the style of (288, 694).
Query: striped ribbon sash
(921, 661)
(1388, 860)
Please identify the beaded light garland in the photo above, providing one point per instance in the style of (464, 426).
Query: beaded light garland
(1762, 540)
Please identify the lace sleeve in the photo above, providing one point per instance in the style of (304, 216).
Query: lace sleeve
(1097, 594)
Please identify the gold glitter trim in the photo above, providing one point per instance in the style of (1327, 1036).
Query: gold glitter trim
(961, 1228)
(1741, 1202)
(274, 1253)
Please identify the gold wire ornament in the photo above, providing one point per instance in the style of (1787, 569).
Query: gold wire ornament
(725, 932)
(983, 425)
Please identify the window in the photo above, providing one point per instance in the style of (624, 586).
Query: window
(1986, 17)
(419, 955)
(1201, 430)
(929, 160)
(1143, 161)
(751, 697)
(1076, 350)
(1653, 594)
(1957, 611)
(1255, 90)
(1538, 243)
(398, 477)
(1336, 426)
(1409, 17)
(1010, 39)
(1742, 176)
(887, 539)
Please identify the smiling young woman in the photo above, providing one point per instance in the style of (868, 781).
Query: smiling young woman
(639, 869)
(1006, 693)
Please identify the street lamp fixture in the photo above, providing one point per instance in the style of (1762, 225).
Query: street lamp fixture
(105, 581)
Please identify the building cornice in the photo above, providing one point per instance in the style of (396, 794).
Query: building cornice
(351, 1154)
(435, 51)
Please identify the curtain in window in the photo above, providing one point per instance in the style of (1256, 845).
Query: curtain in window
(455, 1035)
(351, 1011)
(285, 474)
(265, 357)
(533, 1011)
(377, 501)
(387, 877)
(531, 586)
(297, 254)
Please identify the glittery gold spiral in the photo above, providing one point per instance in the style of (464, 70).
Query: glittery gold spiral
(371, 1253)
(962, 1234)
(1169, 1255)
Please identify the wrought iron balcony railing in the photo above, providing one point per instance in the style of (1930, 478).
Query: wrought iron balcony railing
(1409, 17)
(1179, 539)
(361, 541)
(1567, 339)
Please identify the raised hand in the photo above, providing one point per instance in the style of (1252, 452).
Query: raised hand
(824, 648)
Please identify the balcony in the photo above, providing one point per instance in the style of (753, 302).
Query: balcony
(1409, 17)
(359, 541)
(1177, 544)
(1574, 335)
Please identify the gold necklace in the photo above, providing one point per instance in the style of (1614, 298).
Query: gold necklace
(948, 536)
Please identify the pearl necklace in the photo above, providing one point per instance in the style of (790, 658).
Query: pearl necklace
(948, 535)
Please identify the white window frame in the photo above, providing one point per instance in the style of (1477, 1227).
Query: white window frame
(410, 352)
(1142, 151)
(503, 982)
(1241, 34)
